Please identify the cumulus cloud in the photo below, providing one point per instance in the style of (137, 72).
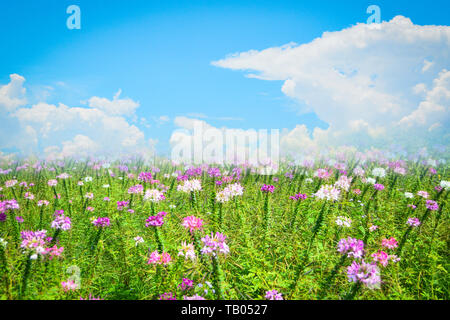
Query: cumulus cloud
(64, 131)
(369, 84)
(12, 95)
(196, 141)
(115, 106)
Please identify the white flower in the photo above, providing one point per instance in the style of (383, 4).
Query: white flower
(88, 179)
(308, 180)
(358, 171)
(328, 192)
(445, 184)
(154, 195)
(371, 180)
(190, 185)
(106, 186)
(172, 206)
(409, 195)
(343, 221)
(343, 183)
(3, 242)
(138, 240)
(379, 172)
(34, 256)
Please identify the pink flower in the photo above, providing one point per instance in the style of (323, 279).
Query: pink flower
(192, 223)
(157, 220)
(323, 173)
(381, 257)
(273, 295)
(54, 251)
(390, 243)
(156, 258)
(69, 285)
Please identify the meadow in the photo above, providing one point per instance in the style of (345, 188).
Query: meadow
(344, 227)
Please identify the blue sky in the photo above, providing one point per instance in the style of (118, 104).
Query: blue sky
(159, 54)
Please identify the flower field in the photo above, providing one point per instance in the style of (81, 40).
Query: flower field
(341, 227)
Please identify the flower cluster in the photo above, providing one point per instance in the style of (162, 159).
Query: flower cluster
(122, 205)
(343, 183)
(432, 205)
(145, 176)
(230, 192)
(8, 205)
(156, 258)
(34, 240)
(101, 222)
(157, 220)
(353, 247)
(69, 285)
(53, 251)
(167, 296)
(154, 195)
(190, 186)
(267, 188)
(299, 196)
(383, 258)
(323, 173)
(390, 243)
(328, 192)
(273, 295)
(187, 251)
(192, 223)
(186, 284)
(61, 221)
(366, 273)
(378, 186)
(379, 172)
(137, 189)
(413, 222)
(215, 244)
(343, 221)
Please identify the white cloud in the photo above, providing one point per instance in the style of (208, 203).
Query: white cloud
(60, 130)
(365, 82)
(427, 65)
(12, 95)
(435, 108)
(116, 106)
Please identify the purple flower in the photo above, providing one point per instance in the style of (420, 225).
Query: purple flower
(353, 247)
(61, 221)
(167, 296)
(413, 222)
(214, 172)
(299, 196)
(156, 221)
(366, 273)
(432, 205)
(145, 176)
(273, 295)
(378, 186)
(122, 205)
(267, 188)
(101, 222)
(186, 284)
(215, 244)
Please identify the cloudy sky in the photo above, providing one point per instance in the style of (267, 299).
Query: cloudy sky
(137, 73)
